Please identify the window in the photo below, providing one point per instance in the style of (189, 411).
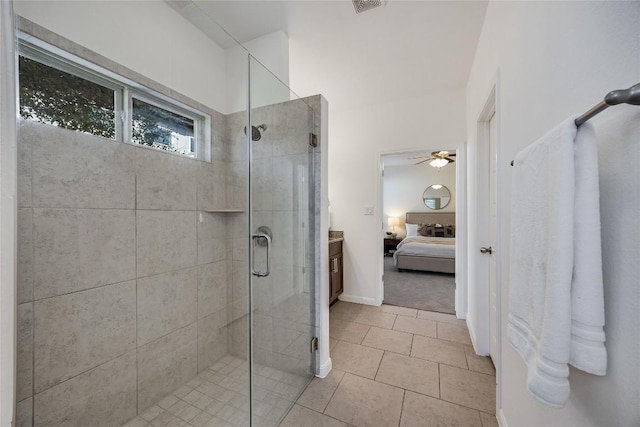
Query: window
(163, 129)
(58, 98)
(62, 90)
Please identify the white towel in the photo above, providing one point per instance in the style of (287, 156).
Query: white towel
(587, 299)
(556, 310)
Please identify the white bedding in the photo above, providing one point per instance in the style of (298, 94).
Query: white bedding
(437, 247)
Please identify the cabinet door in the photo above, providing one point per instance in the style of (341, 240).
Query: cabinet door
(336, 284)
(331, 280)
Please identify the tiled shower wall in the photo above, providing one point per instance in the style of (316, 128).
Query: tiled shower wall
(123, 277)
(282, 310)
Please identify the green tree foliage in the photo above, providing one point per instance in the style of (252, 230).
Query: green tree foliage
(56, 97)
(53, 96)
(153, 125)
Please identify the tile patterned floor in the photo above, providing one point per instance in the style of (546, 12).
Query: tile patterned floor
(219, 397)
(394, 366)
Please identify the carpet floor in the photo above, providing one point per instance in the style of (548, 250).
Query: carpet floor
(419, 289)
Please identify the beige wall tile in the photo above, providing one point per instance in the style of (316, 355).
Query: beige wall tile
(90, 398)
(212, 288)
(165, 364)
(166, 302)
(212, 339)
(166, 241)
(210, 185)
(24, 356)
(262, 181)
(165, 181)
(376, 404)
(24, 413)
(25, 255)
(212, 237)
(410, 373)
(77, 249)
(76, 170)
(419, 410)
(79, 331)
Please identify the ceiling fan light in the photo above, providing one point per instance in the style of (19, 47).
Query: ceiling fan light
(438, 163)
(436, 186)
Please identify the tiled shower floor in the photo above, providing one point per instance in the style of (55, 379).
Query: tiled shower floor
(219, 397)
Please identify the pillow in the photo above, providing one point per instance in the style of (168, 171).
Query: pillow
(437, 230)
(427, 230)
(412, 230)
(449, 230)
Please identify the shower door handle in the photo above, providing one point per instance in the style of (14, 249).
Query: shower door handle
(254, 237)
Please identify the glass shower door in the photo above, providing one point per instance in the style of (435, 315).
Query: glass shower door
(281, 247)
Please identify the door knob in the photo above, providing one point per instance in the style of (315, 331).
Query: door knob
(488, 250)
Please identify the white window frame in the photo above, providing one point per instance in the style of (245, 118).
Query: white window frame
(124, 92)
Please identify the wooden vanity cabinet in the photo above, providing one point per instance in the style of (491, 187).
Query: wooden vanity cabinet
(335, 271)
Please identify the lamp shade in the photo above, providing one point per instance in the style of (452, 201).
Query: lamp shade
(438, 163)
(393, 221)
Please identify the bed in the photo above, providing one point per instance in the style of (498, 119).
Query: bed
(435, 252)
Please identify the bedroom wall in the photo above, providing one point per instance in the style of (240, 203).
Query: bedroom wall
(556, 59)
(356, 138)
(403, 187)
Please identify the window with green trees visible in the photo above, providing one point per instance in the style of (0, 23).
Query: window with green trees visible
(52, 96)
(60, 93)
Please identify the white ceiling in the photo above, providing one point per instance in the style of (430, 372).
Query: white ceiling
(401, 50)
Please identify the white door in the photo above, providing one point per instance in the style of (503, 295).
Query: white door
(493, 209)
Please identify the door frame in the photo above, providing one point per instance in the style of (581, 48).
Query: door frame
(461, 300)
(479, 321)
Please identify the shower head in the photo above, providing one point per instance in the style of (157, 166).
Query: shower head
(256, 131)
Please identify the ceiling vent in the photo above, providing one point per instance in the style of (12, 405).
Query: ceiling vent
(364, 5)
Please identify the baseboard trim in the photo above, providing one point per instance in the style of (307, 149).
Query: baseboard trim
(357, 299)
(502, 421)
(324, 369)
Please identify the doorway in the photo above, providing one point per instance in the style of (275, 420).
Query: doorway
(418, 200)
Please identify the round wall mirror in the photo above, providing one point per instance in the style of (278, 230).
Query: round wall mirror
(436, 197)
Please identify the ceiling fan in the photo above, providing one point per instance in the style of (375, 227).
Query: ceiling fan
(438, 159)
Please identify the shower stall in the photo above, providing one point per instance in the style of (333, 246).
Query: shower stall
(167, 221)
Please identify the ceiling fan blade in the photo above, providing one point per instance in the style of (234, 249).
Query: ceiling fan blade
(425, 160)
(450, 159)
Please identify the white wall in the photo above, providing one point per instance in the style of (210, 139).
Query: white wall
(270, 51)
(403, 187)
(146, 36)
(556, 59)
(356, 137)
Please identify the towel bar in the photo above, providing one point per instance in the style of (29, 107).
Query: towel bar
(621, 96)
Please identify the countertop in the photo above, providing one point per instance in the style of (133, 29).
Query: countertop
(336, 236)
